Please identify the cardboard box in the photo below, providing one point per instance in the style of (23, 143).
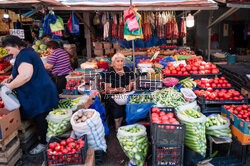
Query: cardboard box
(116, 46)
(9, 123)
(98, 52)
(107, 45)
(97, 45)
(109, 51)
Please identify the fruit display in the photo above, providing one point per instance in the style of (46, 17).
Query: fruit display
(179, 70)
(214, 83)
(45, 53)
(73, 84)
(195, 134)
(68, 103)
(83, 116)
(142, 98)
(218, 126)
(187, 83)
(39, 46)
(222, 94)
(134, 142)
(201, 67)
(193, 59)
(4, 64)
(3, 78)
(1, 104)
(169, 46)
(58, 122)
(168, 97)
(67, 151)
(160, 117)
(184, 51)
(153, 50)
(3, 52)
(241, 111)
(157, 59)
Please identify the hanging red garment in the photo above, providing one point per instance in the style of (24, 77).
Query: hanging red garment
(121, 29)
(114, 27)
(175, 30)
(169, 29)
(158, 26)
(69, 23)
(183, 28)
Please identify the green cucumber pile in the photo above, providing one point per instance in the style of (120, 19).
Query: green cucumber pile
(168, 97)
(217, 126)
(142, 98)
(134, 142)
(195, 134)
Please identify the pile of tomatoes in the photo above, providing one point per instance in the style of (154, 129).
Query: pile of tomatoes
(67, 151)
(241, 111)
(160, 117)
(179, 70)
(202, 67)
(219, 94)
(214, 83)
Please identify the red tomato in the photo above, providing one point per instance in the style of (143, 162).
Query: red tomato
(207, 67)
(169, 64)
(213, 66)
(215, 71)
(216, 81)
(69, 140)
(172, 68)
(52, 145)
(167, 72)
(170, 115)
(173, 72)
(213, 85)
(58, 148)
(154, 114)
(194, 68)
(188, 67)
(72, 145)
(239, 116)
(226, 96)
(222, 78)
(181, 65)
(164, 118)
(225, 81)
(201, 72)
(183, 69)
(207, 71)
(228, 85)
(201, 68)
(210, 89)
(196, 64)
(185, 73)
(179, 73)
(237, 94)
(178, 69)
(64, 151)
(221, 95)
(244, 106)
(219, 85)
(162, 113)
(223, 90)
(63, 143)
(223, 85)
(195, 72)
(221, 81)
(235, 112)
(156, 110)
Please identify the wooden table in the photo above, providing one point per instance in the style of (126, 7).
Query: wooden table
(90, 160)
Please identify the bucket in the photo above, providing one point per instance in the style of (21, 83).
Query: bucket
(231, 59)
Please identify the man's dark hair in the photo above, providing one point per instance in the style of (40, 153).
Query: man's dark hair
(13, 41)
(53, 44)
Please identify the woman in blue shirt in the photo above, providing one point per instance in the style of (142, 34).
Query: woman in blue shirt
(35, 90)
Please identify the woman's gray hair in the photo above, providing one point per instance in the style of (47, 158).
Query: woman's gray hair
(117, 55)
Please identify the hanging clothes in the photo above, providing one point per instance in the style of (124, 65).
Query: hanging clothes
(114, 27)
(169, 28)
(106, 29)
(183, 28)
(49, 19)
(58, 26)
(175, 30)
(121, 29)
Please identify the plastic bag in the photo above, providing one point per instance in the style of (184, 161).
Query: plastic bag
(75, 25)
(94, 129)
(10, 101)
(131, 19)
(134, 142)
(166, 60)
(195, 134)
(96, 20)
(58, 26)
(58, 124)
(218, 126)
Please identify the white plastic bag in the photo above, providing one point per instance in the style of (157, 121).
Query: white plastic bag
(58, 124)
(94, 129)
(192, 105)
(10, 101)
(188, 94)
(134, 142)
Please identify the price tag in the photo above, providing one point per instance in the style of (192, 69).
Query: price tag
(17, 32)
(155, 55)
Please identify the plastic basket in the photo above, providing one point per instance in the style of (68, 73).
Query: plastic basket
(167, 155)
(76, 158)
(70, 91)
(167, 134)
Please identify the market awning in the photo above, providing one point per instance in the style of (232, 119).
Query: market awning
(146, 5)
(28, 3)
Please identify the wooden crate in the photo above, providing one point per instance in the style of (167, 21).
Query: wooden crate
(7, 140)
(25, 125)
(14, 159)
(28, 132)
(12, 148)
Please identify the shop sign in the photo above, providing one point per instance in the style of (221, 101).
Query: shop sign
(17, 32)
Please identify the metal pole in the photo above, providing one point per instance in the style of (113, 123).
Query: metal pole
(133, 46)
(209, 36)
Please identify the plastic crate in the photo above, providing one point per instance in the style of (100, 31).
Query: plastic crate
(167, 155)
(68, 77)
(199, 76)
(214, 88)
(76, 158)
(243, 138)
(70, 91)
(167, 134)
(202, 100)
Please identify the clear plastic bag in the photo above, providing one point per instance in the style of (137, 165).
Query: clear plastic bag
(134, 142)
(58, 124)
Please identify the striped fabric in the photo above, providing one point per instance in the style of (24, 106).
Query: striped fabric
(59, 58)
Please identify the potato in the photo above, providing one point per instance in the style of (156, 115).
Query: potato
(79, 114)
(76, 117)
(84, 118)
(78, 121)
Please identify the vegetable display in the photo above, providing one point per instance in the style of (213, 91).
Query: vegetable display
(58, 122)
(168, 97)
(188, 83)
(3, 52)
(241, 111)
(222, 94)
(83, 116)
(65, 151)
(142, 98)
(4, 64)
(195, 134)
(218, 126)
(179, 70)
(201, 67)
(214, 83)
(134, 142)
(161, 117)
